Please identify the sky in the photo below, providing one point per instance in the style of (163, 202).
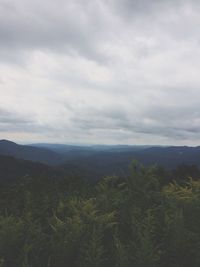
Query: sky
(100, 71)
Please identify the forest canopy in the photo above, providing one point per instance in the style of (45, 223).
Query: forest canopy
(137, 220)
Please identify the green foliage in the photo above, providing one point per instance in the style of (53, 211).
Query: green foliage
(133, 221)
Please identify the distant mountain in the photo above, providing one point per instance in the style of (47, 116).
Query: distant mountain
(65, 148)
(101, 160)
(68, 151)
(112, 162)
(170, 157)
(74, 152)
(31, 153)
(96, 161)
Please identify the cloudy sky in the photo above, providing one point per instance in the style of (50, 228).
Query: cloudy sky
(100, 71)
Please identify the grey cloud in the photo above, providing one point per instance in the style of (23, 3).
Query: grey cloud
(65, 27)
(160, 121)
(7, 117)
(74, 25)
(10, 121)
(84, 27)
(134, 8)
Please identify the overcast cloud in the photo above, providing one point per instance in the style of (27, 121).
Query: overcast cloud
(100, 71)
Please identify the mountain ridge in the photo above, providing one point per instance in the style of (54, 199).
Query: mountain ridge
(43, 155)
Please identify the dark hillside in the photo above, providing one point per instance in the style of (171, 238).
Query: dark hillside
(12, 169)
(116, 163)
(43, 155)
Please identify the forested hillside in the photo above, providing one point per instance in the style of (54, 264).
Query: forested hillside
(136, 220)
(36, 154)
(96, 161)
(11, 169)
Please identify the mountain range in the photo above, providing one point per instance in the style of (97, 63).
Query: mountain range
(92, 161)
